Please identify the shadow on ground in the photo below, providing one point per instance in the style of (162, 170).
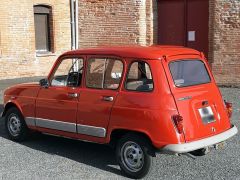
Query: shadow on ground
(95, 155)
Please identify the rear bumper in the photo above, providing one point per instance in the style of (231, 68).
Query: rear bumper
(191, 146)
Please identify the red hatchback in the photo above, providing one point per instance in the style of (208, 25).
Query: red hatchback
(140, 100)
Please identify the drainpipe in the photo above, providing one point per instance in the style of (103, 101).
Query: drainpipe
(73, 29)
(76, 24)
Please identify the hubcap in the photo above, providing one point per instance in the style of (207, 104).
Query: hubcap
(14, 124)
(132, 156)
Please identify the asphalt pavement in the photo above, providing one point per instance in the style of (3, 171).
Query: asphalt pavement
(47, 157)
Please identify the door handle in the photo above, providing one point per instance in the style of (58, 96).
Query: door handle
(108, 98)
(73, 95)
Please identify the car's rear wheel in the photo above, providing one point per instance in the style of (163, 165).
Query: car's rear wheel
(15, 125)
(133, 156)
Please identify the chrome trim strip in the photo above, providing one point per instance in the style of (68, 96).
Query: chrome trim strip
(91, 130)
(185, 98)
(58, 125)
(30, 121)
(65, 126)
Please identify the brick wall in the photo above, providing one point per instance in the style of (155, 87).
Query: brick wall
(18, 57)
(109, 22)
(114, 22)
(225, 41)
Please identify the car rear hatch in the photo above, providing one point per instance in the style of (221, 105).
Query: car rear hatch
(197, 97)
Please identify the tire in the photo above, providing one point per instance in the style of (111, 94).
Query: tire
(133, 156)
(15, 125)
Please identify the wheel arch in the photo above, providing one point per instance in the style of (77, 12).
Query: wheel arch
(116, 134)
(9, 105)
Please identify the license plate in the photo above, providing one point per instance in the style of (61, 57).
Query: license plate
(206, 114)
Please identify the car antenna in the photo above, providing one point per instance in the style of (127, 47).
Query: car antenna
(164, 57)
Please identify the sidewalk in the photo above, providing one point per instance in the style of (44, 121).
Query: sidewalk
(10, 82)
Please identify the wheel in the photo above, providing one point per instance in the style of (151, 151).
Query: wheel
(15, 125)
(133, 156)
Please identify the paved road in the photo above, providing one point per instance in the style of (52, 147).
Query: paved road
(47, 157)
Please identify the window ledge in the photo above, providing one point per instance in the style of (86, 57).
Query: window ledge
(45, 54)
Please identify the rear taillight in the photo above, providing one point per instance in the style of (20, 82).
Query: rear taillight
(229, 108)
(178, 122)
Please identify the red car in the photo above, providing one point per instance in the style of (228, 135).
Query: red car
(140, 100)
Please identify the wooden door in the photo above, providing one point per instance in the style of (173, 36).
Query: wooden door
(171, 24)
(197, 24)
(184, 22)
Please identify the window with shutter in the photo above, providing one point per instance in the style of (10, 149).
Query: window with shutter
(42, 28)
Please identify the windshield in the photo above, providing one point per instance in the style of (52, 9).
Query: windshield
(189, 73)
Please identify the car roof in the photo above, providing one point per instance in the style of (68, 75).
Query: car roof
(144, 52)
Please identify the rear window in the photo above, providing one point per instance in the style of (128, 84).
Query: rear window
(189, 73)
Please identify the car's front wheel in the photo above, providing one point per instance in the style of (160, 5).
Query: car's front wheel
(133, 155)
(15, 125)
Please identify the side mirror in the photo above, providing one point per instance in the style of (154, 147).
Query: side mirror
(44, 83)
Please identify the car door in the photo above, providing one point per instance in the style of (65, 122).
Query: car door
(102, 82)
(56, 105)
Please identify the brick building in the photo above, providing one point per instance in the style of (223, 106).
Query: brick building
(20, 53)
(211, 26)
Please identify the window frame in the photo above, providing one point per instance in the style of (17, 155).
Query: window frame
(128, 70)
(50, 77)
(49, 27)
(104, 57)
(178, 60)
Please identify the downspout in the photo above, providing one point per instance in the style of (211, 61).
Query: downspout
(76, 24)
(73, 29)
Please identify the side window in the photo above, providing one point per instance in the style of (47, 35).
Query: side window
(95, 73)
(139, 77)
(68, 73)
(104, 73)
(113, 74)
